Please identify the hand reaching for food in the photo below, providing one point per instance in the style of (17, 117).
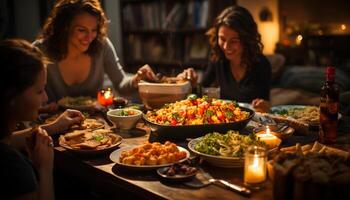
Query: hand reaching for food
(261, 105)
(190, 75)
(63, 122)
(144, 73)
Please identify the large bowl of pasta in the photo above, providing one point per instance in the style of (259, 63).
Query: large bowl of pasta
(195, 117)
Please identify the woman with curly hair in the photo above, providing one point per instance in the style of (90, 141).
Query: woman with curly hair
(74, 38)
(237, 63)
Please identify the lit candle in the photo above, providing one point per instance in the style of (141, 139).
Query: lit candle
(105, 97)
(271, 140)
(255, 166)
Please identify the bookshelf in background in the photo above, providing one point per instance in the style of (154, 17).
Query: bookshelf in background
(169, 35)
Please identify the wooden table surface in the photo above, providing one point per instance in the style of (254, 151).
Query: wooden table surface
(106, 177)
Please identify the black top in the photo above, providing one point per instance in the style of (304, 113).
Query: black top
(255, 83)
(16, 173)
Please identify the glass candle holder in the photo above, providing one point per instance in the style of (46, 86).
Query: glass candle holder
(269, 138)
(255, 167)
(105, 97)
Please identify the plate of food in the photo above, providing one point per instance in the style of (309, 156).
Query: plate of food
(149, 156)
(90, 123)
(81, 103)
(90, 141)
(223, 150)
(304, 114)
(195, 117)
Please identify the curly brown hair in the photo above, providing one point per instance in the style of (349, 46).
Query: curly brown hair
(240, 20)
(56, 27)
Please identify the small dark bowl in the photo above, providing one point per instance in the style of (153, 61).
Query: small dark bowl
(176, 178)
(119, 102)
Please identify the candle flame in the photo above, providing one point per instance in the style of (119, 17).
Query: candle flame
(268, 132)
(255, 162)
(107, 94)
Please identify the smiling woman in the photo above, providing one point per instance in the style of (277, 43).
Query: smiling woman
(74, 37)
(237, 63)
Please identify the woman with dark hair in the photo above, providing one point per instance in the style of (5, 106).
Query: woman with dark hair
(22, 93)
(237, 63)
(74, 38)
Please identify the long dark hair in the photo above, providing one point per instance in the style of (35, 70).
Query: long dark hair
(56, 27)
(240, 20)
(21, 64)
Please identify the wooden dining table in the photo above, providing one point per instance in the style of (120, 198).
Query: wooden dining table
(95, 176)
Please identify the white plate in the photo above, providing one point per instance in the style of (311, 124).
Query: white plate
(115, 155)
(219, 161)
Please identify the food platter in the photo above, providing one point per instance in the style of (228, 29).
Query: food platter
(231, 148)
(162, 132)
(115, 157)
(219, 161)
(82, 103)
(115, 140)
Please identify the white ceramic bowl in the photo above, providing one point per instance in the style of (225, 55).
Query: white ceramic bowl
(124, 122)
(155, 95)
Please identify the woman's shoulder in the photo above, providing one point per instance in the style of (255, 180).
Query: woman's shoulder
(262, 62)
(106, 43)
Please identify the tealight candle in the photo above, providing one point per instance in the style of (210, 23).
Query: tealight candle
(255, 167)
(105, 97)
(271, 140)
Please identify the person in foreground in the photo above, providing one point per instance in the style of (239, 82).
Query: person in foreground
(236, 62)
(22, 93)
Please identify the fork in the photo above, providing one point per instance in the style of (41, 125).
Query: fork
(240, 189)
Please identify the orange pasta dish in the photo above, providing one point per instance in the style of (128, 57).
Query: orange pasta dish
(193, 111)
(153, 154)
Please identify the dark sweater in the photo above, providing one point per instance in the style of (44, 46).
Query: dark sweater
(255, 83)
(16, 173)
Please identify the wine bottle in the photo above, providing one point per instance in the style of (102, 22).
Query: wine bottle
(329, 108)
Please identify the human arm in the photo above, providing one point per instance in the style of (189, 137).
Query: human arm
(208, 75)
(121, 81)
(144, 73)
(62, 123)
(189, 74)
(68, 118)
(263, 78)
(261, 105)
(40, 151)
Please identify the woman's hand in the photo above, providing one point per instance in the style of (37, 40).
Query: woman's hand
(144, 73)
(189, 74)
(40, 149)
(261, 105)
(64, 121)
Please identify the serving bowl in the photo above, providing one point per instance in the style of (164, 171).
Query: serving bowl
(161, 132)
(155, 95)
(125, 118)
